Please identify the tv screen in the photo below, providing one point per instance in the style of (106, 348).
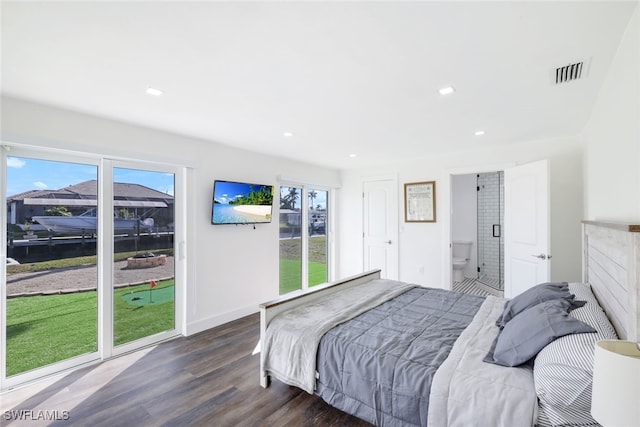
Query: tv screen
(241, 203)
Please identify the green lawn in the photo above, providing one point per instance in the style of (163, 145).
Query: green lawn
(132, 322)
(290, 265)
(45, 329)
(290, 274)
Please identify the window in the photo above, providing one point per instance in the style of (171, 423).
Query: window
(290, 239)
(304, 227)
(317, 241)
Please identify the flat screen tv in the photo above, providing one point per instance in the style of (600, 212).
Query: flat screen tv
(241, 203)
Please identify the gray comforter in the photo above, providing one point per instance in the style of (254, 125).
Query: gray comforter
(291, 340)
(379, 366)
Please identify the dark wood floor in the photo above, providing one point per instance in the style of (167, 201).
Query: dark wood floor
(208, 379)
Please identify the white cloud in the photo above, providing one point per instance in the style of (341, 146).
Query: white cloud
(40, 185)
(14, 162)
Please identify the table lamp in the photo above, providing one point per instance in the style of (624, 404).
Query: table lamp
(615, 397)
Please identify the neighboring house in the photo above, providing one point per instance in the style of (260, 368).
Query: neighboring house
(130, 200)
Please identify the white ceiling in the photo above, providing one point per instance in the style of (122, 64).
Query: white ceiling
(345, 78)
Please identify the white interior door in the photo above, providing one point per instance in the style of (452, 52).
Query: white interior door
(380, 226)
(526, 221)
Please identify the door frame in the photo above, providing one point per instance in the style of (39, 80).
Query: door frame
(446, 194)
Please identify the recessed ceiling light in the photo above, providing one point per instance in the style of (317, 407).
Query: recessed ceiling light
(287, 134)
(447, 90)
(479, 133)
(153, 91)
(352, 155)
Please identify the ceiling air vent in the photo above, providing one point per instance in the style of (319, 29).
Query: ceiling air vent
(571, 72)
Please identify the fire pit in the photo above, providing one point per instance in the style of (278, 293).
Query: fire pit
(146, 260)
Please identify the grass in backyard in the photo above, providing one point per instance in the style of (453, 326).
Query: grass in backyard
(46, 329)
(290, 274)
(290, 268)
(133, 321)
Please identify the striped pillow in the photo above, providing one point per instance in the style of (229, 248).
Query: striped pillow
(563, 369)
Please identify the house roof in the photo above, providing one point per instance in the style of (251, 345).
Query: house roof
(88, 190)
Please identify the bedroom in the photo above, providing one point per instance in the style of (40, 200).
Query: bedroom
(594, 176)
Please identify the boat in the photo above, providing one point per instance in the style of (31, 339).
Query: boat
(87, 223)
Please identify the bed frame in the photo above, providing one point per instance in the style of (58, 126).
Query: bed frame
(270, 309)
(611, 265)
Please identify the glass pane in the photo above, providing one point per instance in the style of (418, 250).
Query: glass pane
(51, 276)
(290, 242)
(317, 236)
(144, 289)
(490, 220)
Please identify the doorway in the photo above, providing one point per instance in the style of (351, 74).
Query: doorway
(477, 224)
(526, 232)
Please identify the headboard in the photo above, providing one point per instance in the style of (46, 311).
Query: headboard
(611, 265)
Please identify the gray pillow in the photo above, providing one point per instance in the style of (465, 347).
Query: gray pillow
(529, 332)
(533, 296)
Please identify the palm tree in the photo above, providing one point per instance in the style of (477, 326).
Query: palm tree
(312, 196)
(289, 200)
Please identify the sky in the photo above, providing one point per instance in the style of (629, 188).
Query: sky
(319, 200)
(226, 191)
(24, 174)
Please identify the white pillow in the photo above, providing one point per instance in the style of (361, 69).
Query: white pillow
(563, 370)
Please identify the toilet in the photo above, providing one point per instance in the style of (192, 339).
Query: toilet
(461, 254)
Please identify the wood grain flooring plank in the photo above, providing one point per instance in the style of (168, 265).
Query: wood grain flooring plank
(208, 379)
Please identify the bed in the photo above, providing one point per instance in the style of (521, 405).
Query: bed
(394, 353)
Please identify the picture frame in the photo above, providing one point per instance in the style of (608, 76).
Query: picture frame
(420, 201)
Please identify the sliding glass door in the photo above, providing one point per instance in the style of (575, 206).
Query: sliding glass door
(90, 260)
(304, 227)
(290, 236)
(317, 242)
(50, 298)
(143, 254)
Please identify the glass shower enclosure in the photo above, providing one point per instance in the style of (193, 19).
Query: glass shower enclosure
(490, 229)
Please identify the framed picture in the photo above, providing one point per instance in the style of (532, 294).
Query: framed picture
(420, 201)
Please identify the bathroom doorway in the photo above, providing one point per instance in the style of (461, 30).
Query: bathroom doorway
(490, 220)
(477, 216)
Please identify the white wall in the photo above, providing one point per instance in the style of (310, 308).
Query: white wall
(422, 246)
(231, 269)
(612, 160)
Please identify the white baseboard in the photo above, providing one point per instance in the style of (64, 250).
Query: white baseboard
(220, 319)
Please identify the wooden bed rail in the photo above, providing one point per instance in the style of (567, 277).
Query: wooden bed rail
(270, 309)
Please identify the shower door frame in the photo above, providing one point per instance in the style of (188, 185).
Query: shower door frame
(492, 278)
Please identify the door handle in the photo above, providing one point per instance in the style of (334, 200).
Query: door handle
(388, 242)
(542, 256)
